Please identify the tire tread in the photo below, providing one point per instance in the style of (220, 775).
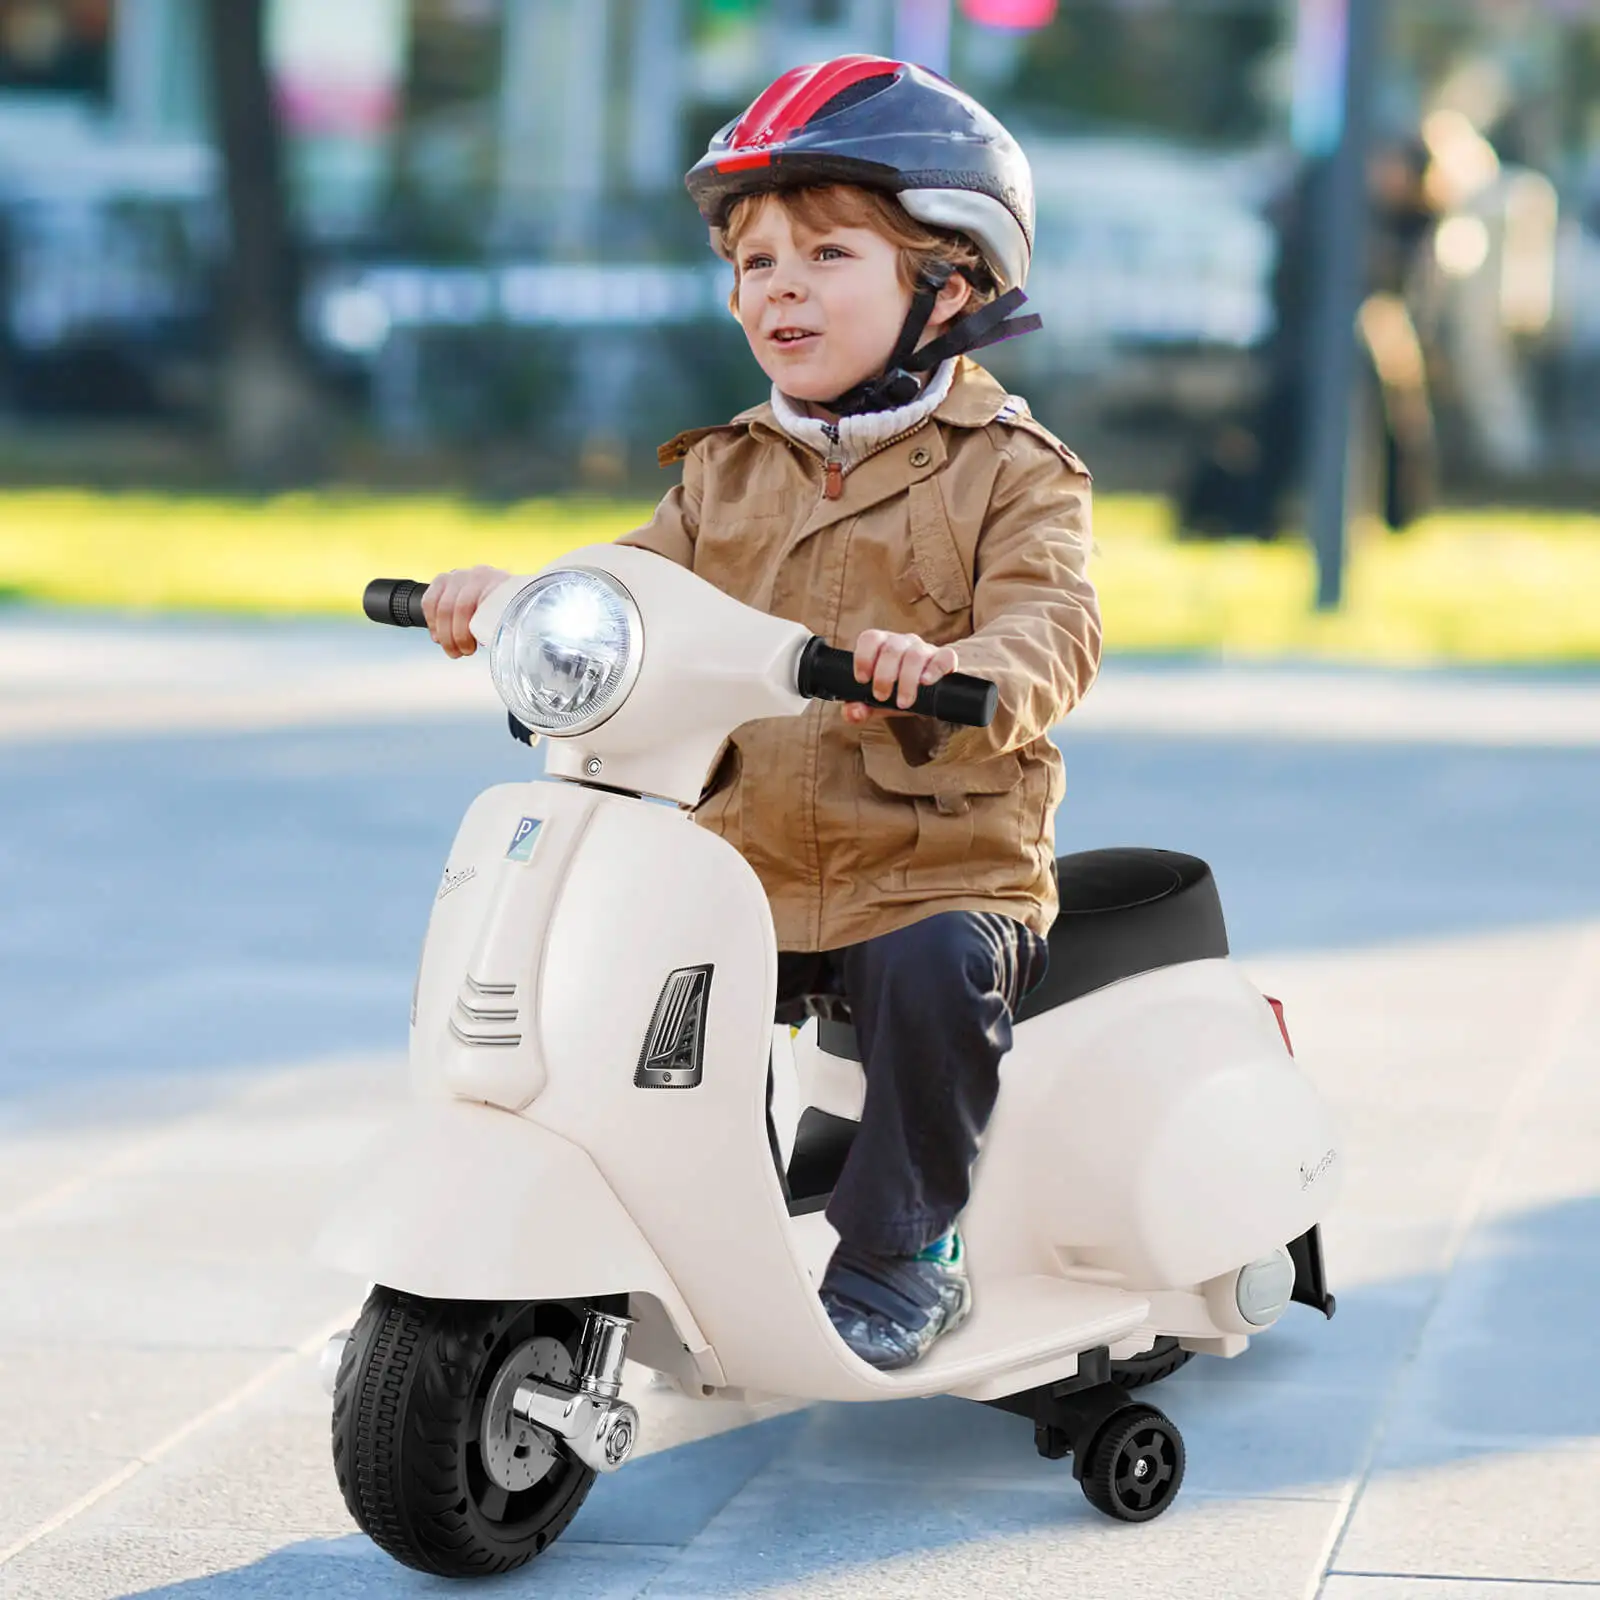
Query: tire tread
(404, 1391)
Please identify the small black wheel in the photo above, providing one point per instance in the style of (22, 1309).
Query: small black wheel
(1161, 1360)
(1135, 1465)
(427, 1466)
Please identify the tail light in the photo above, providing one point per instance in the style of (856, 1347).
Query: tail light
(1283, 1027)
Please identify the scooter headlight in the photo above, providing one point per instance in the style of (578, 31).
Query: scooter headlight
(567, 651)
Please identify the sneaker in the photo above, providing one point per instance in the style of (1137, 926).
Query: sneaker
(890, 1309)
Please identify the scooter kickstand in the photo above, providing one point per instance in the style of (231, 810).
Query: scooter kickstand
(597, 1427)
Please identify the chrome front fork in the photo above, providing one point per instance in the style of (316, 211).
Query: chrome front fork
(589, 1419)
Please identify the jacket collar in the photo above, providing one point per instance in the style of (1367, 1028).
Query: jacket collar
(974, 401)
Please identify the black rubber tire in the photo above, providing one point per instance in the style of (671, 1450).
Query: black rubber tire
(407, 1412)
(1110, 1484)
(1160, 1361)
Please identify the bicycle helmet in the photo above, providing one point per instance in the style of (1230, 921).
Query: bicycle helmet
(892, 126)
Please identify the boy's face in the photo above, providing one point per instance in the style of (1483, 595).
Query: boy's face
(822, 311)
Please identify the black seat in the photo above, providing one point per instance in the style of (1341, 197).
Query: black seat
(1123, 912)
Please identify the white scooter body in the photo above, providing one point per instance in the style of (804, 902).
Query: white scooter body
(1151, 1139)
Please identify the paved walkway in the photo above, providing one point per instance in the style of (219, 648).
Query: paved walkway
(62, 675)
(200, 963)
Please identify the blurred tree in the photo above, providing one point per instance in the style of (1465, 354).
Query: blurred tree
(271, 413)
(1156, 67)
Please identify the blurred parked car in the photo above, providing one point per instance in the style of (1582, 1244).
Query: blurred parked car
(108, 261)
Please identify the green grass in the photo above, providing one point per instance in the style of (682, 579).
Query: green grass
(1485, 586)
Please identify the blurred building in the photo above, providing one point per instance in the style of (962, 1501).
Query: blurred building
(498, 251)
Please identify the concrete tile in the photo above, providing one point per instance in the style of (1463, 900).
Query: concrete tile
(1528, 1515)
(942, 1442)
(668, 1419)
(199, 1566)
(1364, 1586)
(108, 1401)
(786, 1537)
(123, 1300)
(1372, 1328)
(571, 1568)
(106, 1568)
(1508, 1352)
(1277, 1439)
(267, 1469)
(1243, 1440)
(35, 1163)
(1365, 1246)
(263, 1471)
(667, 1498)
(194, 1214)
(35, 1488)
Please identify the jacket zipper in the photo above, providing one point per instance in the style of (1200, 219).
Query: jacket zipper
(833, 467)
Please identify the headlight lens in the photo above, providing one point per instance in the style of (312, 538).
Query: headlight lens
(567, 651)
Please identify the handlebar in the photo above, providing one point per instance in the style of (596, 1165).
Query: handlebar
(395, 601)
(824, 673)
(959, 697)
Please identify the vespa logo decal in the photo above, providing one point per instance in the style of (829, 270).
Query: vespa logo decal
(523, 840)
(1309, 1175)
(674, 1045)
(454, 880)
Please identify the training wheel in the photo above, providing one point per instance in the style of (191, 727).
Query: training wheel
(1135, 1465)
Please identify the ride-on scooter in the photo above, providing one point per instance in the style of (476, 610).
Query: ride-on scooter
(612, 1151)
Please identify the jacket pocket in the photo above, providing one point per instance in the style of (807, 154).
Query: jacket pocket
(968, 820)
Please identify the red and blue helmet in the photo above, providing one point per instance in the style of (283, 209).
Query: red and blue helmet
(887, 125)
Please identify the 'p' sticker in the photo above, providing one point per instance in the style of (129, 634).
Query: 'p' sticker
(523, 841)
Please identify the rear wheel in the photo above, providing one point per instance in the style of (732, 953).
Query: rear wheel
(429, 1466)
(1161, 1360)
(1135, 1465)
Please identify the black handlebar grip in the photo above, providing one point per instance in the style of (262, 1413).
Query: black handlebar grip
(959, 697)
(395, 601)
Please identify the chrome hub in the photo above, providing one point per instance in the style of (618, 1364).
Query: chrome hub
(516, 1453)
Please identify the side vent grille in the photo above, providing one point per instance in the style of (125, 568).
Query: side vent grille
(671, 1058)
(485, 1013)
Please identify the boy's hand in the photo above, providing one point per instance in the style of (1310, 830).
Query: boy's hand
(896, 664)
(449, 602)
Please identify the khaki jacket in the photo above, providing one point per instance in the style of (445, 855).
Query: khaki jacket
(971, 530)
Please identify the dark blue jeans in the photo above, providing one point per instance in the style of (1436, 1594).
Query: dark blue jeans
(932, 1005)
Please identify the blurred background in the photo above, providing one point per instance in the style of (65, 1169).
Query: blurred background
(294, 293)
(442, 247)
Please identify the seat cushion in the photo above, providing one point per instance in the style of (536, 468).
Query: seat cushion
(1126, 911)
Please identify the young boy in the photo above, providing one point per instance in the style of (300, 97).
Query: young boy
(891, 497)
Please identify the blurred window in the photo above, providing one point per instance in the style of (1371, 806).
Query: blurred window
(56, 47)
(446, 158)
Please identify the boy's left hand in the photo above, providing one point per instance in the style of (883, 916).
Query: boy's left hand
(896, 664)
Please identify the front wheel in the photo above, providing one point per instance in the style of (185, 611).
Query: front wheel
(428, 1466)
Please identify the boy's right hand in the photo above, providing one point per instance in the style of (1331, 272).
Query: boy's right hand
(449, 602)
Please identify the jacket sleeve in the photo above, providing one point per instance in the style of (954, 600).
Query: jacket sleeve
(672, 531)
(1035, 615)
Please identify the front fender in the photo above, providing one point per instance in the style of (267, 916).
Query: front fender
(463, 1201)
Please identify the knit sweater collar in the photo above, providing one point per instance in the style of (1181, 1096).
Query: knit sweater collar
(859, 436)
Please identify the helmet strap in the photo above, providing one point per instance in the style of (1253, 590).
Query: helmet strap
(899, 382)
